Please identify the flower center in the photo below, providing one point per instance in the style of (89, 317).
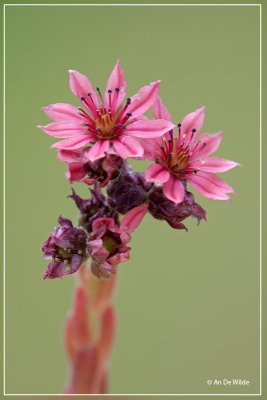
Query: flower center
(105, 121)
(175, 154)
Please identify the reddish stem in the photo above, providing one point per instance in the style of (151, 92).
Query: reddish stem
(89, 333)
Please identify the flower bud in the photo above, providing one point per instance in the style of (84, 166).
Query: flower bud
(67, 246)
(129, 190)
(92, 209)
(164, 209)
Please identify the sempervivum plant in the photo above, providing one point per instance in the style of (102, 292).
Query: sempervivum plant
(98, 138)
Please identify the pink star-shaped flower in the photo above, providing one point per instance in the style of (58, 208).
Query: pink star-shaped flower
(185, 158)
(104, 122)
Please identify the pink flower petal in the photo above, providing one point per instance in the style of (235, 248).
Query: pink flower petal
(191, 121)
(214, 164)
(132, 219)
(210, 186)
(160, 111)
(62, 112)
(174, 190)
(100, 254)
(116, 80)
(158, 173)
(120, 257)
(149, 129)
(63, 129)
(128, 147)
(75, 172)
(98, 150)
(151, 148)
(107, 223)
(144, 99)
(69, 156)
(80, 87)
(73, 143)
(208, 145)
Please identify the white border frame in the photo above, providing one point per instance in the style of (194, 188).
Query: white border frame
(4, 178)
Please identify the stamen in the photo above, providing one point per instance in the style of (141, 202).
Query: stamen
(87, 116)
(115, 100)
(86, 102)
(109, 99)
(101, 100)
(92, 101)
(192, 135)
(127, 116)
(128, 102)
(179, 129)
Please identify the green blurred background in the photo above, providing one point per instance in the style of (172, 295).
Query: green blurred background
(188, 303)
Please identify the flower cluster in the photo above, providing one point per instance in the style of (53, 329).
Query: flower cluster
(67, 246)
(98, 138)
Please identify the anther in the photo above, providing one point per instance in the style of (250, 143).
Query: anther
(89, 94)
(129, 114)
(176, 165)
(204, 144)
(82, 98)
(194, 130)
(117, 89)
(195, 171)
(179, 125)
(109, 91)
(162, 148)
(128, 101)
(97, 88)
